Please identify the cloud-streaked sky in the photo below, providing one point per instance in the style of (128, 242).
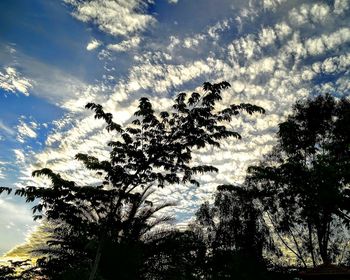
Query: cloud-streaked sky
(55, 56)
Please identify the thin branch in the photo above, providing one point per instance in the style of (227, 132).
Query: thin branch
(283, 241)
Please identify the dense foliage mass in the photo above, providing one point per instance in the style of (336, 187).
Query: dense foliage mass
(306, 179)
(295, 202)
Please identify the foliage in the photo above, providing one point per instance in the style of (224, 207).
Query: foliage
(155, 150)
(18, 270)
(297, 197)
(175, 255)
(306, 179)
(235, 234)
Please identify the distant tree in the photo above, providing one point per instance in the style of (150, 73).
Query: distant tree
(306, 180)
(174, 255)
(235, 234)
(153, 151)
(8, 272)
(18, 270)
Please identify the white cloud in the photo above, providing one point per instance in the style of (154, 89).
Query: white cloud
(319, 12)
(26, 130)
(174, 41)
(190, 42)
(267, 36)
(93, 44)
(271, 65)
(272, 4)
(215, 30)
(2, 169)
(125, 45)
(12, 81)
(326, 42)
(282, 29)
(310, 14)
(116, 17)
(45, 81)
(340, 6)
(162, 77)
(20, 156)
(266, 64)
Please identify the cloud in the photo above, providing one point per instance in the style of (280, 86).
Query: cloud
(125, 45)
(26, 130)
(218, 28)
(191, 42)
(327, 42)
(2, 169)
(340, 6)
(55, 85)
(309, 14)
(43, 80)
(272, 4)
(12, 81)
(300, 51)
(93, 44)
(116, 17)
(20, 156)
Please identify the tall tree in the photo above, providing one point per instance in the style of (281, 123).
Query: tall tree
(306, 179)
(153, 151)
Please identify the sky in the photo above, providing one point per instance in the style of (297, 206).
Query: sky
(55, 56)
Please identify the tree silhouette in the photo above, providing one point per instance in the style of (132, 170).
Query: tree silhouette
(66, 253)
(177, 255)
(306, 179)
(18, 270)
(155, 150)
(235, 234)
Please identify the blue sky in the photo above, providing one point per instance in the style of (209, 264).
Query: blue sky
(55, 56)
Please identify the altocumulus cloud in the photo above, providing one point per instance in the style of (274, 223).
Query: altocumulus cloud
(120, 18)
(116, 17)
(26, 130)
(93, 44)
(273, 52)
(13, 82)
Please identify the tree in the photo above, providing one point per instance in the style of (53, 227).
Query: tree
(153, 151)
(18, 270)
(235, 234)
(306, 179)
(177, 255)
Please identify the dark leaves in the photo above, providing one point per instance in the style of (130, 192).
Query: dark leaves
(100, 114)
(5, 189)
(153, 150)
(306, 176)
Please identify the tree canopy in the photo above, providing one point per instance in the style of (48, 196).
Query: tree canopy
(296, 200)
(153, 151)
(306, 178)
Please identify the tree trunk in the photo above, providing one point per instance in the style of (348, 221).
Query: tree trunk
(311, 245)
(96, 261)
